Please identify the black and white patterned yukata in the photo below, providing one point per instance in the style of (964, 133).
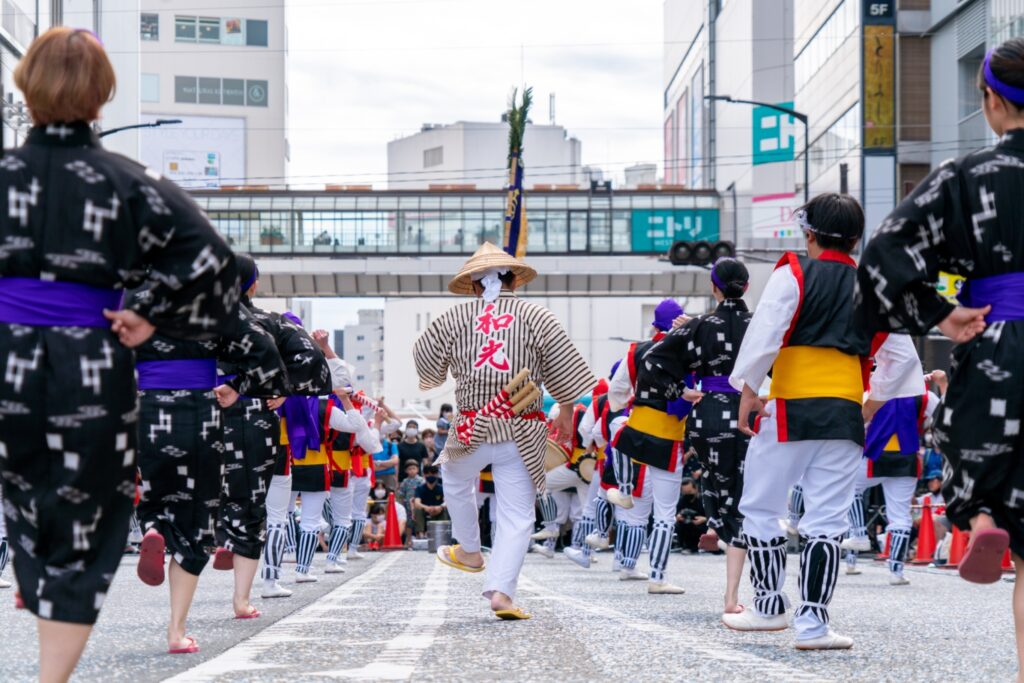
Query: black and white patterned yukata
(965, 218)
(76, 216)
(182, 436)
(252, 436)
(708, 346)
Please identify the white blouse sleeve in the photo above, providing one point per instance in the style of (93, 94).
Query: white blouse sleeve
(764, 336)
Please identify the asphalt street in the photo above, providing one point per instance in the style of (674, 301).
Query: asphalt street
(404, 616)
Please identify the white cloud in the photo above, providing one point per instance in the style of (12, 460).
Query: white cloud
(361, 74)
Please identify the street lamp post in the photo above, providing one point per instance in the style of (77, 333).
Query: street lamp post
(799, 116)
(154, 124)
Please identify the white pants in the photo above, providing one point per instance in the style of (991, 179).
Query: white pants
(557, 481)
(312, 510)
(341, 505)
(594, 492)
(482, 498)
(514, 494)
(828, 469)
(279, 499)
(360, 492)
(660, 497)
(899, 494)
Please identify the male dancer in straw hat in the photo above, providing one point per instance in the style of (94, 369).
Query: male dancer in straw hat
(500, 350)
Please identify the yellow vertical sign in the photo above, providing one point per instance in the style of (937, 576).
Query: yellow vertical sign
(879, 87)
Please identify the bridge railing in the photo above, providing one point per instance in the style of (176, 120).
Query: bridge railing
(429, 223)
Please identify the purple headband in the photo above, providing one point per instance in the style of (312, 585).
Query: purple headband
(251, 280)
(1015, 95)
(717, 281)
(294, 318)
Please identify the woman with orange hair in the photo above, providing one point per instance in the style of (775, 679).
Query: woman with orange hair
(78, 226)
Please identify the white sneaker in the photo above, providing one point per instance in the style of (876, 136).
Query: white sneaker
(861, 544)
(898, 580)
(663, 588)
(544, 534)
(616, 565)
(597, 541)
(749, 620)
(305, 578)
(851, 570)
(542, 549)
(4, 583)
(829, 641)
(633, 574)
(354, 554)
(273, 589)
(617, 497)
(334, 568)
(577, 556)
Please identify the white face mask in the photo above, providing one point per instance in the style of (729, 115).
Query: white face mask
(412, 432)
(377, 519)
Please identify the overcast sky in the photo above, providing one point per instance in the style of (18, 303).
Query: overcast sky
(363, 72)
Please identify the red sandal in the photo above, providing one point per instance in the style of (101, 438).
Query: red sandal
(982, 562)
(151, 558)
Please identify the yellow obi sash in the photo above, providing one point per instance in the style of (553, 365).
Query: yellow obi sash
(284, 432)
(486, 475)
(342, 460)
(313, 458)
(816, 372)
(893, 445)
(656, 423)
(577, 453)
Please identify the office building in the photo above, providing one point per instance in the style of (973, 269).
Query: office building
(362, 345)
(222, 72)
(961, 33)
(22, 20)
(476, 154)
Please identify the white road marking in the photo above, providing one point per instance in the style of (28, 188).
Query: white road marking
(397, 660)
(244, 657)
(764, 667)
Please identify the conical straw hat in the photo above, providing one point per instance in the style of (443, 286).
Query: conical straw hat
(486, 257)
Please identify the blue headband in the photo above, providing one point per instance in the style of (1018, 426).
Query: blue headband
(1015, 95)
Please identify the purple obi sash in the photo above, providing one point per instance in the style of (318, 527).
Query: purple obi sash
(897, 416)
(52, 303)
(189, 373)
(717, 383)
(1004, 292)
(302, 423)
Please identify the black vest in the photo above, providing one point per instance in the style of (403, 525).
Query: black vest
(825, 317)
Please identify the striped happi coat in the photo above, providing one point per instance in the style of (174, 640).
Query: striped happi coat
(483, 346)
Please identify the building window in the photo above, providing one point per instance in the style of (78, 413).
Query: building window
(841, 138)
(829, 37)
(433, 157)
(969, 94)
(360, 358)
(256, 33)
(186, 89)
(149, 26)
(149, 87)
(185, 29)
(209, 30)
(360, 338)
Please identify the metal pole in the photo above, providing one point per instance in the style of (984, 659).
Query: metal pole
(807, 161)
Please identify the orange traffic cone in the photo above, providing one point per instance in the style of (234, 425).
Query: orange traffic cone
(884, 555)
(392, 537)
(957, 547)
(925, 535)
(1007, 562)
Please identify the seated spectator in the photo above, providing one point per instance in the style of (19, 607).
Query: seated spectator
(429, 504)
(691, 522)
(410, 482)
(379, 492)
(376, 525)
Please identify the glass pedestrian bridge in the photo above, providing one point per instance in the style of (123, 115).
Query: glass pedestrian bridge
(346, 223)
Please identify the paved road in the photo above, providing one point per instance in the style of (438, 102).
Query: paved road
(404, 616)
